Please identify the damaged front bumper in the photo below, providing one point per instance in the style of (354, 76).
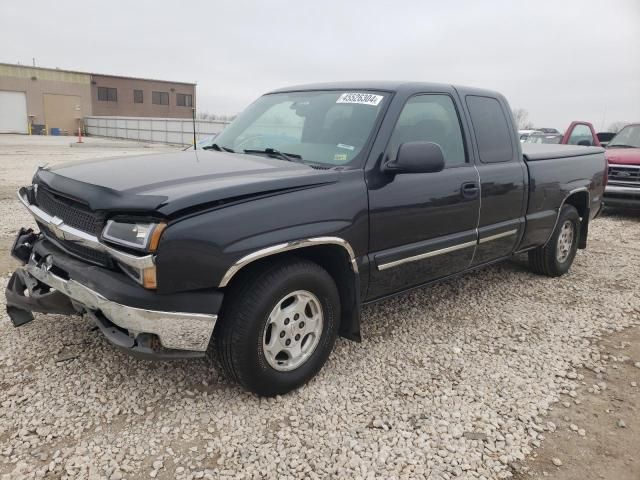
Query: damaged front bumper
(51, 282)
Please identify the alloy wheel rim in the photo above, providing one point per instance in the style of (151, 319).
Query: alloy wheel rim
(293, 330)
(565, 241)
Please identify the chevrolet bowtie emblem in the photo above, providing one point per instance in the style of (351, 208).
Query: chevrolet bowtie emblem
(54, 226)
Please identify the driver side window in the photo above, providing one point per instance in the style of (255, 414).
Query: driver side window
(430, 118)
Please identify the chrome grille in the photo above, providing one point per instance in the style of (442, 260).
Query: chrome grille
(77, 250)
(76, 215)
(627, 175)
(71, 212)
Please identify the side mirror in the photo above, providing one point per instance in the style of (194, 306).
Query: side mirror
(584, 143)
(417, 157)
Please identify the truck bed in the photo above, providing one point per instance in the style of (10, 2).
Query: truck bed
(555, 172)
(538, 151)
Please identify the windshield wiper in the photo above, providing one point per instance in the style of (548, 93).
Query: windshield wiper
(289, 157)
(215, 146)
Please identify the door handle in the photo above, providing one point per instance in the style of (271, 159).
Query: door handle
(470, 190)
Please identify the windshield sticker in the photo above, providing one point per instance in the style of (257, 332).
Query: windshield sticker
(340, 157)
(360, 98)
(346, 147)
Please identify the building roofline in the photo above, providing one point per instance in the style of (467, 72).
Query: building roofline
(93, 73)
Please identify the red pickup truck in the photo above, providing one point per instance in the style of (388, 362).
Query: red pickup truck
(578, 133)
(623, 155)
(581, 133)
(622, 152)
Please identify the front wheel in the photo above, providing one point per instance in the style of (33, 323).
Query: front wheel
(555, 258)
(279, 326)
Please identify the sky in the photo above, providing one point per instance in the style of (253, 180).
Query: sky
(560, 60)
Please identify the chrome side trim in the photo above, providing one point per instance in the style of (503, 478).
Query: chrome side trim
(576, 190)
(177, 330)
(498, 235)
(67, 232)
(434, 253)
(284, 247)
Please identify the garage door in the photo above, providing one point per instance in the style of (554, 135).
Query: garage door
(13, 112)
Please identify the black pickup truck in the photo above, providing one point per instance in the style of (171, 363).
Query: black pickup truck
(315, 200)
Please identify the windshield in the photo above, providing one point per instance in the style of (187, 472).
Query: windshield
(629, 136)
(321, 127)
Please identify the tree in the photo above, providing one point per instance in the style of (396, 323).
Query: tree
(615, 127)
(208, 116)
(521, 117)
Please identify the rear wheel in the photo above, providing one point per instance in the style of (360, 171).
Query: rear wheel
(279, 326)
(555, 258)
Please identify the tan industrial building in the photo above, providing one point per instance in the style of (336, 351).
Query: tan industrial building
(34, 98)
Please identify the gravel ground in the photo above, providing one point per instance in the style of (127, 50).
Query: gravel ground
(597, 434)
(451, 381)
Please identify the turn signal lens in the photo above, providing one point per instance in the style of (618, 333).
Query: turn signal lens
(155, 237)
(149, 278)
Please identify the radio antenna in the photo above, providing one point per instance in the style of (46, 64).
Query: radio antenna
(193, 111)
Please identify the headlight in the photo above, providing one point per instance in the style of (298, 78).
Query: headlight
(139, 235)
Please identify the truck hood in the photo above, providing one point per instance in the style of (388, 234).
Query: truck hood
(169, 183)
(624, 156)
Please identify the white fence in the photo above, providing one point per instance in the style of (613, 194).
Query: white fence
(164, 130)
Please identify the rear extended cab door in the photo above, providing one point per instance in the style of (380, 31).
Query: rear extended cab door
(502, 172)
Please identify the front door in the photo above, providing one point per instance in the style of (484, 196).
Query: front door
(423, 225)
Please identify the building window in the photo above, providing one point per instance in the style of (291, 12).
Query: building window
(107, 94)
(160, 98)
(184, 100)
(137, 96)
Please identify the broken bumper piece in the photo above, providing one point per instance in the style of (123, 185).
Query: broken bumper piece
(41, 286)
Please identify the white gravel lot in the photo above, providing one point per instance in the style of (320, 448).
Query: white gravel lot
(450, 381)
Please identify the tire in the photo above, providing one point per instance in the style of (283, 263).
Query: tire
(253, 329)
(555, 258)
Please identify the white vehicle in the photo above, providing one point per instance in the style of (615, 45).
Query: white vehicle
(524, 134)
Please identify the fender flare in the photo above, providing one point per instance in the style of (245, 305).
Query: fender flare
(285, 247)
(572, 192)
(350, 323)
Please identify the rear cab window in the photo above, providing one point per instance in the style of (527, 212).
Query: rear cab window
(493, 131)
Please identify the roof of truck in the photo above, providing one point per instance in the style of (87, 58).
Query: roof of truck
(382, 85)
